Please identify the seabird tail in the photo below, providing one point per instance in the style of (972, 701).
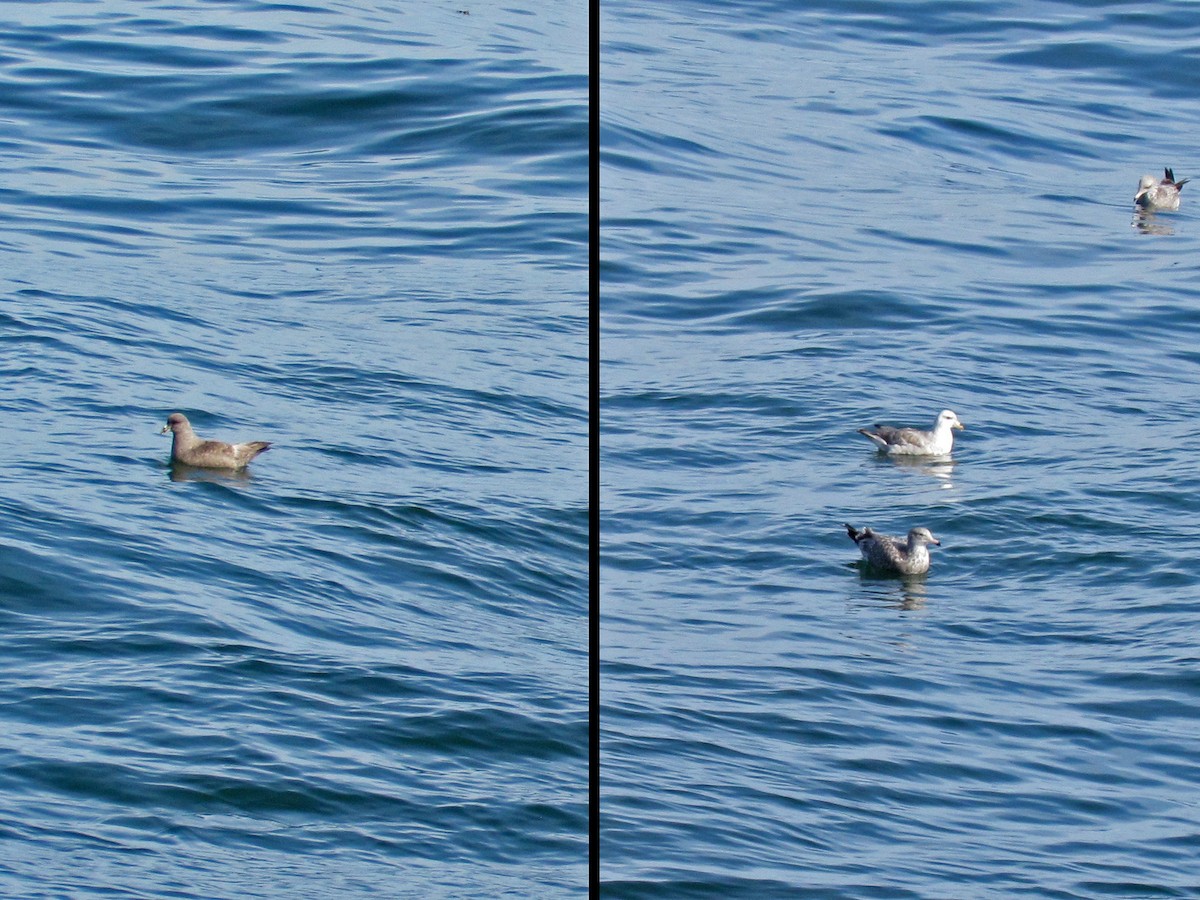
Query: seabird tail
(873, 437)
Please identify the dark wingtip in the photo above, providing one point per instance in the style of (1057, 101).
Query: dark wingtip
(854, 533)
(1170, 176)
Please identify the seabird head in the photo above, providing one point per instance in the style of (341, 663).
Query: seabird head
(1147, 184)
(175, 422)
(947, 417)
(922, 535)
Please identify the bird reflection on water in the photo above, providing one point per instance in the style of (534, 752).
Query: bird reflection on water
(1147, 222)
(940, 467)
(184, 472)
(903, 592)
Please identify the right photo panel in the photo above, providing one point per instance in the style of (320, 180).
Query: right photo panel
(900, 395)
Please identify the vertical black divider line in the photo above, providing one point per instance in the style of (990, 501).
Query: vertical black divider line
(594, 447)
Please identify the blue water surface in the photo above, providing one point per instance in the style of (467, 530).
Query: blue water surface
(820, 216)
(357, 230)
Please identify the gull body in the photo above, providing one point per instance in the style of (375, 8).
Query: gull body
(938, 441)
(191, 450)
(905, 556)
(1153, 194)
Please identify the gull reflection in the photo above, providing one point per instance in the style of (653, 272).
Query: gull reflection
(904, 592)
(940, 467)
(182, 472)
(1146, 222)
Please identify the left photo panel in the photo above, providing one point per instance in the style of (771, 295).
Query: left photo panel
(294, 573)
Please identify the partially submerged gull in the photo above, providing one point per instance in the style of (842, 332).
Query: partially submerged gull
(1153, 194)
(907, 556)
(938, 441)
(190, 450)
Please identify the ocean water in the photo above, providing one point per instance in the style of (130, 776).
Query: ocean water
(358, 230)
(820, 216)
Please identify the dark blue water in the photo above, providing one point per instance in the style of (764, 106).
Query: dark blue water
(820, 216)
(357, 230)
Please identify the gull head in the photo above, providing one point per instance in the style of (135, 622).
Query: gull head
(175, 422)
(948, 419)
(922, 535)
(1147, 183)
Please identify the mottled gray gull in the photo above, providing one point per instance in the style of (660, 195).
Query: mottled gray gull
(938, 441)
(190, 450)
(1155, 194)
(890, 554)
